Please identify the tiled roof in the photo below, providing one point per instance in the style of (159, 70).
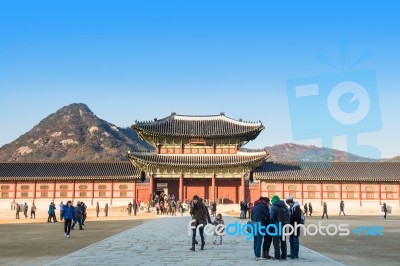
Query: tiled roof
(200, 161)
(67, 170)
(215, 126)
(336, 171)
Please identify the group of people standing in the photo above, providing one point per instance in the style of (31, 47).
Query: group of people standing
(25, 209)
(276, 212)
(245, 208)
(72, 215)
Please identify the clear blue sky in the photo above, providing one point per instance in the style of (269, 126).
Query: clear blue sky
(131, 60)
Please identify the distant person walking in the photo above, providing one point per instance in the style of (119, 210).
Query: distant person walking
(135, 207)
(130, 208)
(384, 209)
(52, 213)
(342, 208)
(305, 209)
(33, 211)
(310, 209)
(78, 216)
(26, 210)
(68, 214)
(61, 210)
(106, 209)
(17, 210)
(214, 209)
(97, 209)
(325, 211)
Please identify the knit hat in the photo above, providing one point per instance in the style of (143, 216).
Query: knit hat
(275, 199)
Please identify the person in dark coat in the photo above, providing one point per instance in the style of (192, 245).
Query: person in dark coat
(135, 207)
(78, 216)
(214, 209)
(305, 209)
(267, 238)
(26, 210)
(279, 244)
(130, 208)
(106, 209)
(310, 209)
(258, 215)
(342, 208)
(97, 209)
(17, 210)
(68, 214)
(384, 208)
(199, 219)
(325, 208)
(52, 213)
(295, 218)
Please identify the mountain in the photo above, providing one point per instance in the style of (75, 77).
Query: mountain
(394, 159)
(73, 133)
(294, 152)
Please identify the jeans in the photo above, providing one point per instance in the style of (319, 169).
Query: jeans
(267, 243)
(279, 245)
(79, 220)
(294, 245)
(257, 244)
(67, 226)
(242, 214)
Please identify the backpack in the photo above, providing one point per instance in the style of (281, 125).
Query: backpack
(302, 218)
(283, 215)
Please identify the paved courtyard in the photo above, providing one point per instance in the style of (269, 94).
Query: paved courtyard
(165, 241)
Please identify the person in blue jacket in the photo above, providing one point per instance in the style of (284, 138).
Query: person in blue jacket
(68, 214)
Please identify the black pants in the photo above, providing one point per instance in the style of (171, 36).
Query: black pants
(201, 230)
(279, 245)
(341, 212)
(33, 214)
(78, 220)
(67, 226)
(325, 213)
(17, 215)
(266, 243)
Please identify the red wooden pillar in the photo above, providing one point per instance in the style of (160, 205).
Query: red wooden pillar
(259, 188)
(151, 177)
(322, 193)
(242, 188)
(302, 193)
(181, 187)
(34, 191)
(134, 191)
(283, 190)
(54, 190)
(360, 193)
(15, 190)
(112, 191)
(379, 191)
(73, 191)
(340, 191)
(92, 192)
(213, 187)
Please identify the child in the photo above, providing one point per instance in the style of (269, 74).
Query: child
(218, 220)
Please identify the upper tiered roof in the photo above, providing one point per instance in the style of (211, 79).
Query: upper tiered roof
(184, 126)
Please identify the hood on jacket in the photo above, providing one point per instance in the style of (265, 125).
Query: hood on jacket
(296, 203)
(279, 203)
(258, 202)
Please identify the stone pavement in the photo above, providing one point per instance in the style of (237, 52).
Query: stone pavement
(165, 241)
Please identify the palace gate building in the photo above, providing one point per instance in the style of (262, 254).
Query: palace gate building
(201, 155)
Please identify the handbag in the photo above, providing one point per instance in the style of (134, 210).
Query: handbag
(250, 223)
